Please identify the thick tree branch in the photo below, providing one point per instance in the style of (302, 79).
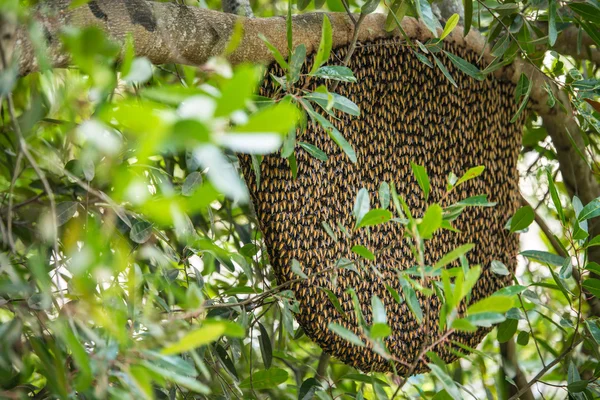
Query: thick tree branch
(171, 33)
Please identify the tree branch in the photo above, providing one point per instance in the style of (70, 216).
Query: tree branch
(546, 369)
(171, 33)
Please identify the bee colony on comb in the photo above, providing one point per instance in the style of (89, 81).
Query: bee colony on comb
(409, 113)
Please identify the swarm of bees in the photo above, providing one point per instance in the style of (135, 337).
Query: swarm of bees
(409, 113)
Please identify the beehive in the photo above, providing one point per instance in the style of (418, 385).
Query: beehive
(409, 112)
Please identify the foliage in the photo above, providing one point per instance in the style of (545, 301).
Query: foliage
(132, 265)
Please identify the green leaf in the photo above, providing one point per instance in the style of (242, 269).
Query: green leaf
(494, 304)
(191, 183)
(591, 210)
(289, 143)
(276, 54)
(142, 379)
(510, 290)
(594, 329)
(369, 6)
(346, 334)
(65, 211)
(593, 286)
(592, 31)
(587, 10)
(423, 59)
(364, 378)
(325, 45)
(499, 268)
(380, 330)
(327, 101)
(363, 252)
(394, 293)
(297, 269)
(463, 324)
(566, 270)
(595, 241)
(552, 33)
(335, 301)
(555, 197)
(266, 349)
(506, 9)
(522, 219)
(592, 267)
(277, 118)
(308, 388)
(329, 231)
(140, 232)
(265, 379)
(238, 90)
(523, 338)
(196, 338)
(396, 13)
(441, 66)
(525, 85)
(341, 141)
(501, 46)
(302, 4)
(424, 12)
(378, 308)
(362, 205)
(410, 297)
(384, 195)
(375, 217)
(446, 381)
(507, 329)
(454, 255)
(470, 174)
(577, 386)
(84, 374)
(431, 222)
(544, 257)
(314, 151)
(450, 25)
(486, 319)
(173, 376)
(335, 72)
(422, 179)
(465, 66)
(296, 62)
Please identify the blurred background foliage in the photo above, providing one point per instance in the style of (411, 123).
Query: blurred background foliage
(132, 266)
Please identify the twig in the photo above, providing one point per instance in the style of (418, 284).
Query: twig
(16, 172)
(352, 47)
(250, 300)
(546, 369)
(418, 359)
(345, 4)
(546, 230)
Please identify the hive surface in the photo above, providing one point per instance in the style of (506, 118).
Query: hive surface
(409, 113)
